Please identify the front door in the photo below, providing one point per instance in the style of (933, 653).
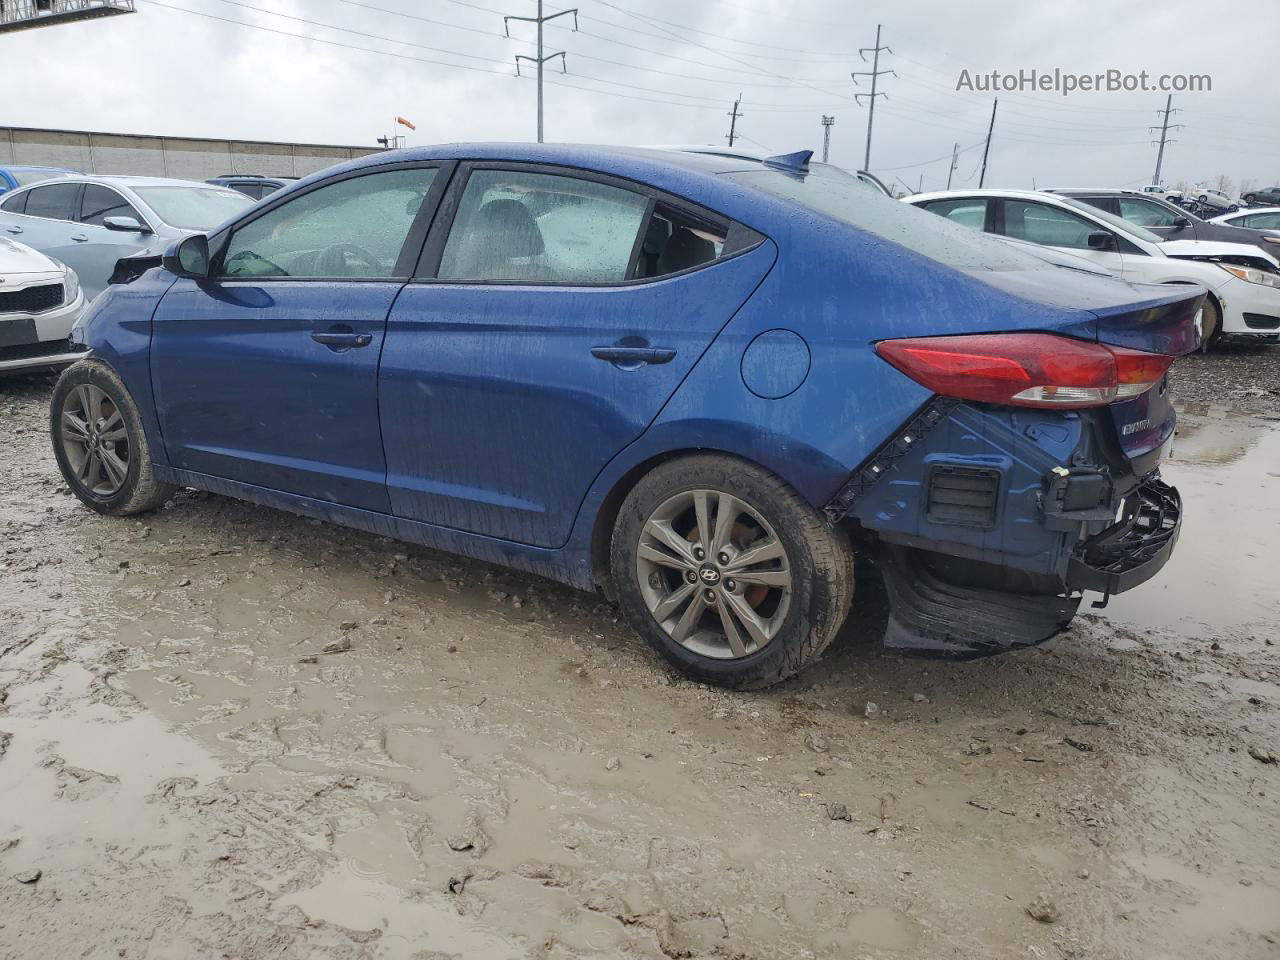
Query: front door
(565, 311)
(1053, 226)
(266, 374)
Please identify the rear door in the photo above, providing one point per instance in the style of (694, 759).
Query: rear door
(554, 313)
(47, 221)
(267, 374)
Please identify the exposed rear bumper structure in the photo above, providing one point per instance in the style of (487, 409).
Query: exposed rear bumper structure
(1133, 550)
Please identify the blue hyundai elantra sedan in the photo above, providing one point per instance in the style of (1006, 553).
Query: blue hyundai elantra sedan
(699, 383)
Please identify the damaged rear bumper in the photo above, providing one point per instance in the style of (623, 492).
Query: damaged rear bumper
(1133, 550)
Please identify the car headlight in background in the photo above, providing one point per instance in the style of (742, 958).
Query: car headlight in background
(71, 283)
(1252, 275)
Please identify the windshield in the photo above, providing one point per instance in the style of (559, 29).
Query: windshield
(1123, 226)
(193, 208)
(851, 201)
(25, 177)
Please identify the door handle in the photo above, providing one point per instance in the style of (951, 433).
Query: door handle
(342, 339)
(633, 356)
(79, 238)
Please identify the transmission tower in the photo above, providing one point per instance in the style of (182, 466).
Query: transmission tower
(874, 73)
(1164, 129)
(541, 58)
(827, 123)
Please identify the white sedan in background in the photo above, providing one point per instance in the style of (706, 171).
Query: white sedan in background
(1262, 218)
(40, 301)
(1213, 198)
(1243, 282)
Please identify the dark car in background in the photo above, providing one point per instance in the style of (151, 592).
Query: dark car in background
(1166, 220)
(21, 175)
(1270, 197)
(251, 184)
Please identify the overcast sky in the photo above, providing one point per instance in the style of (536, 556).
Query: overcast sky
(667, 71)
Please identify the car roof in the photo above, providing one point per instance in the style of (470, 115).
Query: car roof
(985, 192)
(574, 154)
(1245, 211)
(33, 166)
(125, 181)
(1102, 191)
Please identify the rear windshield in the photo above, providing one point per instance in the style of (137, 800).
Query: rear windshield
(193, 208)
(850, 201)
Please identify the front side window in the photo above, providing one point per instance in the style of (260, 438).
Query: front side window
(99, 202)
(54, 202)
(1146, 214)
(1050, 226)
(542, 228)
(353, 228)
(967, 211)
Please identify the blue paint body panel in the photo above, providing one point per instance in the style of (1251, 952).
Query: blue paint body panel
(476, 419)
(497, 418)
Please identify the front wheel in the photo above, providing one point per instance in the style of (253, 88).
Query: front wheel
(99, 442)
(1210, 324)
(728, 573)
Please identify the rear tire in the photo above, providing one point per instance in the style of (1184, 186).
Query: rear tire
(99, 442)
(728, 573)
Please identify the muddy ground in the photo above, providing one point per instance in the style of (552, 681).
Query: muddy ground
(496, 768)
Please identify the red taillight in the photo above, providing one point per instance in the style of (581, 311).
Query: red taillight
(1026, 369)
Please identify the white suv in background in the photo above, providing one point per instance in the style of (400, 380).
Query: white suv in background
(40, 301)
(1243, 281)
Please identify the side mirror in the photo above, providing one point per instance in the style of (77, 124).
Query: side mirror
(1101, 240)
(127, 224)
(1181, 223)
(189, 257)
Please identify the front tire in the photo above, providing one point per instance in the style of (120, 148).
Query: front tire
(1210, 325)
(99, 442)
(727, 573)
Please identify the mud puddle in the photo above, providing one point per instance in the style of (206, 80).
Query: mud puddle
(1222, 576)
(489, 766)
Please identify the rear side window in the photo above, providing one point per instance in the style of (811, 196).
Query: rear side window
(54, 202)
(352, 228)
(967, 211)
(99, 202)
(14, 204)
(674, 241)
(542, 228)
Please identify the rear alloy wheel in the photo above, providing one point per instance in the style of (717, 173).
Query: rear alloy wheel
(730, 575)
(99, 443)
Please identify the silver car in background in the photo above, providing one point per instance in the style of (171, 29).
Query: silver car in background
(40, 301)
(89, 223)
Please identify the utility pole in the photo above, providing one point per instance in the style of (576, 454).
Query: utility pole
(827, 123)
(982, 178)
(540, 59)
(1164, 134)
(955, 152)
(874, 73)
(733, 120)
